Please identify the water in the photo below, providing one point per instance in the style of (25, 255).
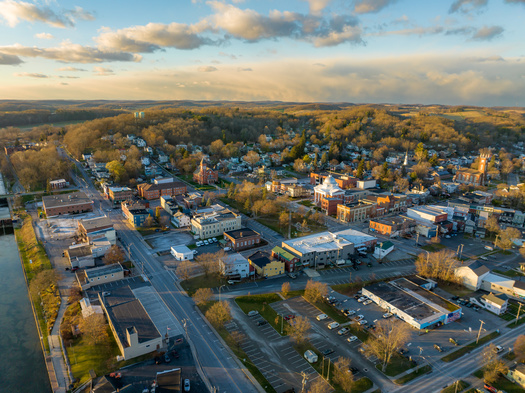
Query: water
(22, 367)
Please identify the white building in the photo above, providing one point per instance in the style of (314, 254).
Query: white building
(495, 303)
(472, 275)
(328, 189)
(88, 309)
(366, 184)
(234, 265)
(182, 253)
(180, 220)
(215, 224)
(383, 249)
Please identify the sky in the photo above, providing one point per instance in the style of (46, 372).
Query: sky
(456, 52)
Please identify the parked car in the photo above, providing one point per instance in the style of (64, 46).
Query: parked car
(438, 347)
(351, 339)
(206, 242)
(74, 269)
(362, 322)
(333, 325)
(214, 239)
(321, 317)
(311, 356)
(453, 341)
(253, 313)
(359, 317)
(106, 293)
(343, 331)
(490, 388)
(292, 276)
(167, 358)
(261, 323)
(288, 317)
(343, 310)
(186, 385)
(498, 348)
(387, 315)
(349, 313)
(354, 370)
(328, 351)
(367, 302)
(362, 299)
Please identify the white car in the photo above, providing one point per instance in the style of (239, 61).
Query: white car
(362, 299)
(387, 315)
(206, 242)
(321, 317)
(351, 339)
(333, 325)
(359, 317)
(362, 322)
(367, 302)
(343, 331)
(214, 239)
(186, 385)
(349, 313)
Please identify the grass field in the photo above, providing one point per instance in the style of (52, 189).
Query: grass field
(413, 375)
(397, 365)
(202, 281)
(469, 347)
(261, 303)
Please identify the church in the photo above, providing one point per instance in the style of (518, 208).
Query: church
(474, 177)
(204, 175)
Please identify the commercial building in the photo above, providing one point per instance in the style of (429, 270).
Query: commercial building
(234, 265)
(58, 184)
(215, 223)
(360, 240)
(135, 213)
(265, 265)
(100, 275)
(205, 175)
(290, 261)
(133, 329)
(356, 212)
(413, 304)
(241, 239)
(119, 194)
(169, 204)
(394, 226)
(192, 201)
(74, 203)
(430, 214)
(182, 253)
(161, 187)
(383, 249)
(80, 255)
(90, 229)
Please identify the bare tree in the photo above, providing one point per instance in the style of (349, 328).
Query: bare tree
(519, 348)
(209, 262)
(148, 222)
(44, 281)
(94, 329)
(342, 374)
(506, 238)
(319, 386)
(202, 296)
(493, 364)
(439, 265)
(285, 288)
(315, 291)
(236, 338)
(389, 337)
(492, 225)
(298, 329)
(219, 313)
(113, 255)
(184, 270)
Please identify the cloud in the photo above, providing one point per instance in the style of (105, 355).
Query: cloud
(208, 69)
(319, 65)
(240, 69)
(103, 71)
(72, 69)
(31, 75)
(371, 6)
(466, 6)
(14, 11)
(80, 13)
(317, 6)
(487, 33)
(64, 83)
(68, 77)
(489, 58)
(228, 55)
(460, 30)
(154, 36)
(6, 59)
(44, 36)
(70, 53)
(420, 31)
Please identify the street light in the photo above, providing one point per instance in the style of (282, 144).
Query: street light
(220, 292)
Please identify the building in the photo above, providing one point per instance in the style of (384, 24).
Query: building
(495, 303)
(89, 309)
(430, 214)
(80, 255)
(192, 201)
(328, 195)
(360, 240)
(297, 191)
(161, 187)
(265, 265)
(503, 285)
(90, 229)
(58, 184)
(133, 329)
(472, 275)
(319, 249)
(389, 203)
(74, 203)
(517, 374)
(99, 247)
(169, 204)
(204, 175)
(182, 253)
(242, 239)
(413, 304)
(291, 262)
(135, 213)
(100, 275)
(181, 220)
(394, 226)
(383, 249)
(360, 211)
(342, 180)
(206, 225)
(234, 265)
(119, 194)
(474, 177)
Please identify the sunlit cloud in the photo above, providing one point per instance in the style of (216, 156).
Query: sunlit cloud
(466, 6)
(371, 6)
(44, 36)
(31, 75)
(103, 71)
(487, 33)
(71, 69)
(317, 6)
(207, 69)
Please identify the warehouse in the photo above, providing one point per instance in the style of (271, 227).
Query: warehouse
(413, 304)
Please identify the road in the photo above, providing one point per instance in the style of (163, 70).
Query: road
(216, 362)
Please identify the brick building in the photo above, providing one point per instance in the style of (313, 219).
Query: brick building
(241, 239)
(291, 262)
(119, 194)
(342, 180)
(474, 177)
(392, 226)
(161, 188)
(74, 203)
(135, 213)
(360, 211)
(205, 175)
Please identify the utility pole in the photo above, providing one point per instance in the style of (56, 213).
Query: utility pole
(518, 314)
(479, 332)
(328, 375)
(305, 379)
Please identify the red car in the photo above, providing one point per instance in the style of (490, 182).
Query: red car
(490, 388)
(288, 317)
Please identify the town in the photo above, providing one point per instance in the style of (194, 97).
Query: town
(285, 263)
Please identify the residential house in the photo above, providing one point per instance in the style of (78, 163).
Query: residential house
(383, 249)
(181, 220)
(291, 262)
(495, 303)
(242, 239)
(472, 274)
(80, 255)
(517, 374)
(58, 184)
(265, 265)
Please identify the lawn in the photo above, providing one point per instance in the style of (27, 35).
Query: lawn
(413, 375)
(454, 289)
(433, 247)
(202, 281)
(469, 347)
(397, 365)
(502, 383)
(461, 385)
(348, 289)
(262, 303)
(306, 203)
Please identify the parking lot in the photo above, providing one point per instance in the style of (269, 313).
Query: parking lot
(163, 241)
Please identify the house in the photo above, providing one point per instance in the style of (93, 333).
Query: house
(204, 175)
(193, 200)
(241, 239)
(161, 188)
(383, 249)
(291, 262)
(182, 253)
(88, 309)
(234, 265)
(472, 275)
(181, 220)
(169, 204)
(80, 255)
(517, 374)
(58, 184)
(74, 203)
(90, 229)
(265, 265)
(135, 213)
(495, 303)
(100, 275)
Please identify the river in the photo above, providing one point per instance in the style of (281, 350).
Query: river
(22, 367)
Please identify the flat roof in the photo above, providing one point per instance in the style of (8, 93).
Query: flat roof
(103, 270)
(240, 233)
(355, 237)
(95, 223)
(126, 311)
(181, 249)
(319, 242)
(74, 198)
(261, 258)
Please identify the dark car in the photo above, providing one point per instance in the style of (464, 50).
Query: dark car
(261, 323)
(369, 264)
(455, 297)
(328, 351)
(354, 370)
(167, 358)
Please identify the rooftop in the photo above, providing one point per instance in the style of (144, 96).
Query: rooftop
(496, 299)
(90, 224)
(104, 270)
(79, 250)
(319, 242)
(75, 198)
(260, 258)
(241, 233)
(282, 253)
(478, 268)
(234, 259)
(356, 237)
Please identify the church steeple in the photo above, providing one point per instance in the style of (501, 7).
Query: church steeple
(405, 163)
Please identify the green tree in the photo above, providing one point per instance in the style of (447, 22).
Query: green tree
(360, 169)
(324, 158)
(116, 169)
(420, 152)
(231, 190)
(434, 160)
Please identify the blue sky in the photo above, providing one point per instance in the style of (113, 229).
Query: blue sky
(383, 51)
